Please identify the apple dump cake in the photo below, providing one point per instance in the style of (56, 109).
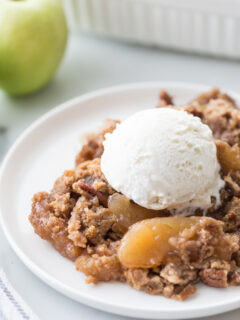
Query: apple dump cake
(153, 201)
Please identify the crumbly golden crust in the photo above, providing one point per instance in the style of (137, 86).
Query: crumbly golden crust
(93, 146)
(74, 216)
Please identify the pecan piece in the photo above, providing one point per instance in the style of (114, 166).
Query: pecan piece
(165, 99)
(214, 278)
(186, 292)
(102, 197)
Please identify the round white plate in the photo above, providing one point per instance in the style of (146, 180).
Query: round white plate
(41, 154)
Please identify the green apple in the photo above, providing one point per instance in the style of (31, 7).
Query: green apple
(33, 37)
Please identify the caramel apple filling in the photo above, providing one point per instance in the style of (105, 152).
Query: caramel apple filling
(128, 213)
(228, 156)
(152, 242)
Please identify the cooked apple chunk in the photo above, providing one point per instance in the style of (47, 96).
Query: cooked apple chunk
(153, 242)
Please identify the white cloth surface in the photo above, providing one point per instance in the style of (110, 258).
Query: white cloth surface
(12, 306)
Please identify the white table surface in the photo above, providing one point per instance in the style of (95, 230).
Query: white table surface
(91, 64)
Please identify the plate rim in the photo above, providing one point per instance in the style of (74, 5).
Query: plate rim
(67, 290)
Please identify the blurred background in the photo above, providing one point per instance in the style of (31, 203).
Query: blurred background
(110, 42)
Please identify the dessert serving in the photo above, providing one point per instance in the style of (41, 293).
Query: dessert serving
(153, 201)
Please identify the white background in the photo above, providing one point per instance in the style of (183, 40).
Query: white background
(91, 64)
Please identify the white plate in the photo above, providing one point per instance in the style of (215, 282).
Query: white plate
(40, 155)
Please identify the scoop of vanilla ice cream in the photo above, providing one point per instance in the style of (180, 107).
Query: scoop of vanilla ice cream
(163, 158)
